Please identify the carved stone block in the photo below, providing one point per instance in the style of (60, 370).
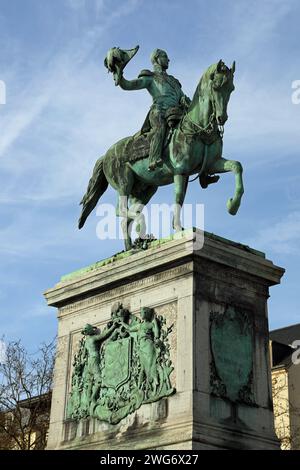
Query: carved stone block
(192, 373)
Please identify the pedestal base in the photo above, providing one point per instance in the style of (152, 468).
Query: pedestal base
(216, 298)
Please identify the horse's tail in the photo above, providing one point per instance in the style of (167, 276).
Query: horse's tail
(97, 186)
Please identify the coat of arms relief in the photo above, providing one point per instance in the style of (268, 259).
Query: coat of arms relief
(118, 369)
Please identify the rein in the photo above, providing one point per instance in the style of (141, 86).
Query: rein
(203, 164)
(207, 131)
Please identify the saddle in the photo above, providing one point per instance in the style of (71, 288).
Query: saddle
(138, 146)
(173, 116)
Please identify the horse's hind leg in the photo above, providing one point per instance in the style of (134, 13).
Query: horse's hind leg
(124, 184)
(126, 223)
(222, 166)
(139, 198)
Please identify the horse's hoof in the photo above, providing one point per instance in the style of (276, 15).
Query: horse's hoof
(128, 246)
(232, 206)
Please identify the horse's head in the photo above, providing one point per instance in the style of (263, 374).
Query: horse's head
(221, 86)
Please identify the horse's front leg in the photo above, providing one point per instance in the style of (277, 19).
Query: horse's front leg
(221, 166)
(180, 186)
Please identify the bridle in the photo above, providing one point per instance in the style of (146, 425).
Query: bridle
(209, 128)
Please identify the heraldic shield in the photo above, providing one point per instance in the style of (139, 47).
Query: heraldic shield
(231, 336)
(117, 363)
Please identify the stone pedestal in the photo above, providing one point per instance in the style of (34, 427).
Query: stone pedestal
(216, 297)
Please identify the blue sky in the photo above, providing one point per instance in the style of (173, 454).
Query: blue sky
(63, 111)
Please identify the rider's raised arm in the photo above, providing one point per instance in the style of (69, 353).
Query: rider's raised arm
(137, 84)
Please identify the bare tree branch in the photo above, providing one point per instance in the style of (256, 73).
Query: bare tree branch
(25, 395)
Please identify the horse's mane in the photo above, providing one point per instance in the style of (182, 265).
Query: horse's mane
(205, 77)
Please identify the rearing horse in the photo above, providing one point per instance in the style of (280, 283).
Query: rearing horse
(195, 148)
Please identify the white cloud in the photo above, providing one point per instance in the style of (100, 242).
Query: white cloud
(82, 117)
(76, 4)
(67, 116)
(256, 21)
(98, 8)
(16, 122)
(261, 114)
(80, 4)
(281, 237)
(37, 310)
(262, 117)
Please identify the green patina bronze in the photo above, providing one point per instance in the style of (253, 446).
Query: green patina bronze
(119, 369)
(148, 243)
(231, 336)
(179, 138)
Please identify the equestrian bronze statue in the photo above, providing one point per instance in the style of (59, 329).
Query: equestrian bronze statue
(179, 138)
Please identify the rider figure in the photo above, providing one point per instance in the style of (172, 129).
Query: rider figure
(166, 93)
